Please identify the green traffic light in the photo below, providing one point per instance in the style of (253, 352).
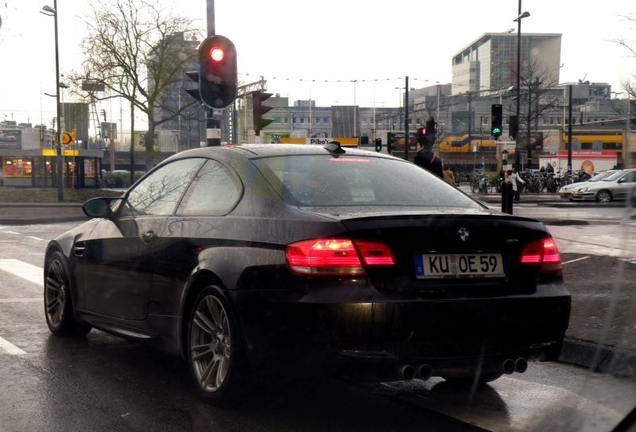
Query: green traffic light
(496, 131)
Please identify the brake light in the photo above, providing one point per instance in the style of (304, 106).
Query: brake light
(336, 256)
(544, 251)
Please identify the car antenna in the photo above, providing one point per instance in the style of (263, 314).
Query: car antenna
(334, 147)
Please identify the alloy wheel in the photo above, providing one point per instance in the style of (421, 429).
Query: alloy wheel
(55, 294)
(210, 343)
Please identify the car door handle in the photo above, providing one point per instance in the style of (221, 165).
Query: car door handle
(148, 236)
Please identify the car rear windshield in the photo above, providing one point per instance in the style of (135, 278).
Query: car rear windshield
(354, 180)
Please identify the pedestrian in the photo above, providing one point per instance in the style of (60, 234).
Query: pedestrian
(426, 159)
(449, 176)
(516, 181)
(507, 193)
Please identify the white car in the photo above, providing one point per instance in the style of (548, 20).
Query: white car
(615, 187)
(566, 191)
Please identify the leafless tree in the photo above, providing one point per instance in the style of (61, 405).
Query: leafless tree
(537, 98)
(630, 84)
(139, 50)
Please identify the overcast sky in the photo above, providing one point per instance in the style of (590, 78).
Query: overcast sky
(304, 48)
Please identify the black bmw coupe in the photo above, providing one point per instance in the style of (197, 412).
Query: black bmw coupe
(237, 257)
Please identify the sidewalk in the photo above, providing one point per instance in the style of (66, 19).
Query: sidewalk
(601, 316)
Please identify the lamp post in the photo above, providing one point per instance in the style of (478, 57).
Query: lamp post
(520, 16)
(52, 11)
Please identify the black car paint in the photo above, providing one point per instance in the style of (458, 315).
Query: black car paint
(386, 317)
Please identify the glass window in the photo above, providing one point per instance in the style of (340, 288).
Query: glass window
(159, 193)
(357, 180)
(17, 167)
(214, 191)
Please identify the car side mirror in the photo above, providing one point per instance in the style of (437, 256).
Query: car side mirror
(98, 207)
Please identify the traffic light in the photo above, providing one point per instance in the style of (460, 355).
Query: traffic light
(218, 84)
(258, 110)
(420, 133)
(430, 131)
(378, 144)
(513, 123)
(194, 92)
(496, 120)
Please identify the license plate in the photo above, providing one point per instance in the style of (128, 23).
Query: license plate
(458, 266)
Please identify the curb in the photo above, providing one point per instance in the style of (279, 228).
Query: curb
(599, 358)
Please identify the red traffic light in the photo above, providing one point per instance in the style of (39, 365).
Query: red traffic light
(218, 82)
(217, 53)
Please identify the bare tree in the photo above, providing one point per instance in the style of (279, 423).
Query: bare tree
(537, 98)
(630, 84)
(139, 51)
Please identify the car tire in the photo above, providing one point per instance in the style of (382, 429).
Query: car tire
(58, 303)
(604, 196)
(215, 352)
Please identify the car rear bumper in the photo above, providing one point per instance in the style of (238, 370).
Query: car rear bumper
(452, 337)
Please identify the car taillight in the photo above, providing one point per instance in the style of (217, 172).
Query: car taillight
(544, 252)
(331, 257)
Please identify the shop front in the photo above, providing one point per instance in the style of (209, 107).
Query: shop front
(39, 168)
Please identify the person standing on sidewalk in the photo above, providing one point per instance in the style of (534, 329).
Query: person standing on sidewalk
(516, 181)
(426, 159)
(449, 176)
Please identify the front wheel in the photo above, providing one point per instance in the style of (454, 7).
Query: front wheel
(58, 304)
(214, 350)
(604, 196)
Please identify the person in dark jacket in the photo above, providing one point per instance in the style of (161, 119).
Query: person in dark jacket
(426, 159)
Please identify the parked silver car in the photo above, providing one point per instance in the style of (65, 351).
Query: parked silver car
(615, 187)
(565, 192)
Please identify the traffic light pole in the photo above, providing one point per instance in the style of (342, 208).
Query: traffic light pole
(407, 139)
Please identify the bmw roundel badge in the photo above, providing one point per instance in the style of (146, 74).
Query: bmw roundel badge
(463, 234)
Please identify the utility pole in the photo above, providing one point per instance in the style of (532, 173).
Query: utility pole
(407, 139)
(213, 123)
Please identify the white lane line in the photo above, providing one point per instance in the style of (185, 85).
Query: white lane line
(10, 348)
(35, 238)
(22, 300)
(12, 232)
(578, 259)
(24, 270)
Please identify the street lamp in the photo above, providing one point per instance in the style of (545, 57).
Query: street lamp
(52, 11)
(521, 16)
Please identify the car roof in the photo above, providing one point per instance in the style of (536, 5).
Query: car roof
(265, 150)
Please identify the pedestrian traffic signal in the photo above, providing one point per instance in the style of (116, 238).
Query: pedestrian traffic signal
(430, 132)
(258, 110)
(496, 120)
(378, 144)
(513, 123)
(194, 92)
(420, 133)
(218, 84)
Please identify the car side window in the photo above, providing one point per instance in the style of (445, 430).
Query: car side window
(214, 192)
(159, 193)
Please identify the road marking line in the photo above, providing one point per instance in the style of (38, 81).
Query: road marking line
(35, 238)
(24, 270)
(575, 260)
(10, 348)
(22, 300)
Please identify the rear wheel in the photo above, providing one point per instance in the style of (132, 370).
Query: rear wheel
(58, 304)
(214, 351)
(604, 196)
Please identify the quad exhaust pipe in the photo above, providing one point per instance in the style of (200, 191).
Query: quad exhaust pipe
(424, 371)
(519, 365)
(408, 372)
